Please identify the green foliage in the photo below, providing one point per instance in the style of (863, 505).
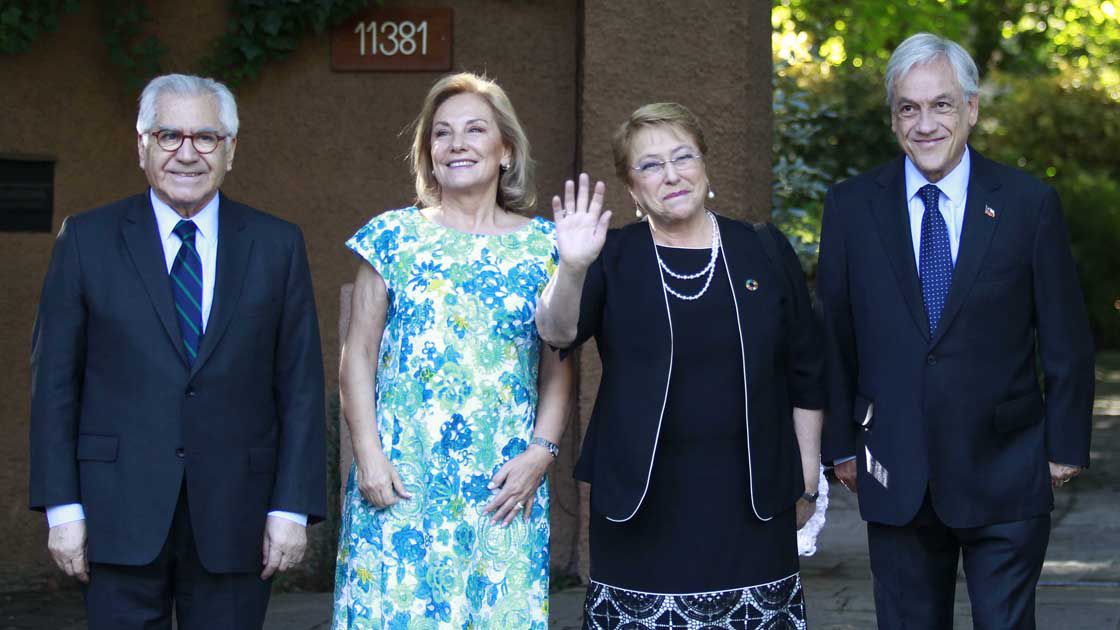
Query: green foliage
(1094, 234)
(866, 30)
(823, 133)
(1067, 137)
(131, 47)
(21, 21)
(803, 166)
(262, 31)
(1079, 38)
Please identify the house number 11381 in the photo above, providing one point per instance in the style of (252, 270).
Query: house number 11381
(392, 38)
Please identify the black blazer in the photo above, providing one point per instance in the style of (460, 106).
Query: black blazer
(961, 414)
(626, 309)
(118, 418)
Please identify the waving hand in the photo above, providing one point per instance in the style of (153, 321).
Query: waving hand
(581, 223)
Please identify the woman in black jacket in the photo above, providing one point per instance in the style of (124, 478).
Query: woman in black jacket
(703, 448)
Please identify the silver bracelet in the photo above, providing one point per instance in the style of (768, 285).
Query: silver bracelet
(553, 449)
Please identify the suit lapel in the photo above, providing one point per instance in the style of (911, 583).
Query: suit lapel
(234, 246)
(976, 236)
(893, 220)
(141, 237)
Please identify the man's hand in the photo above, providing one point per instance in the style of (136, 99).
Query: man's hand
(1060, 474)
(284, 544)
(846, 473)
(67, 544)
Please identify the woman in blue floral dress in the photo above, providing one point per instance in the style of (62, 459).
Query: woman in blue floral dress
(454, 410)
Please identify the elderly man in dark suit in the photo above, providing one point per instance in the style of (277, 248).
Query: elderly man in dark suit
(177, 385)
(948, 285)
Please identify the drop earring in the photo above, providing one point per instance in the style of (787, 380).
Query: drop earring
(711, 193)
(637, 210)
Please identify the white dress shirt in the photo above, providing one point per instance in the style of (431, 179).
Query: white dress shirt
(954, 194)
(206, 244)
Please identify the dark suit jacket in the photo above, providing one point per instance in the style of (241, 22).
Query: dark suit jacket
(117, 416)
(962, 413)
(626, 310)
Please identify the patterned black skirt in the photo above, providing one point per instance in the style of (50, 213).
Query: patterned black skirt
(778, 605)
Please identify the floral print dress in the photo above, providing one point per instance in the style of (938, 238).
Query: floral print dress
(456, 398)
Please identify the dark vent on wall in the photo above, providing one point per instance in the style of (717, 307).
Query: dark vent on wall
(26, 195)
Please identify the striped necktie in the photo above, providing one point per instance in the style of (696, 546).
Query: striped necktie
(186, 285)
(935, 259)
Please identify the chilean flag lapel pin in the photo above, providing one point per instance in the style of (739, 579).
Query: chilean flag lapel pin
(988, 211)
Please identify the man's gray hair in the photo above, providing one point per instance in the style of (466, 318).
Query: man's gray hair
(926, 48)
(187, 85)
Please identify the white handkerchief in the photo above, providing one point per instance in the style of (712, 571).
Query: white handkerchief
(875, 468)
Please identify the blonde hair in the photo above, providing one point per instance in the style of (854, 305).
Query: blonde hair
(515, 184)
(653, 115)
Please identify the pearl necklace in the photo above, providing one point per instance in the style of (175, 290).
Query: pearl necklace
(708, 269)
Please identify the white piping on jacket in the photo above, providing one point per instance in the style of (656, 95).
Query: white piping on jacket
(746, 395)
(665, 399)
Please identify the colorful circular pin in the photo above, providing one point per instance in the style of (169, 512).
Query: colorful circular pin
(752, 284)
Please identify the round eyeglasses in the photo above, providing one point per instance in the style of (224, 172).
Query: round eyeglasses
(203, 142)
(656, 168)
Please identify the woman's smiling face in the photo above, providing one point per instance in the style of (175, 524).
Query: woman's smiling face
(676, 191)
(466, 145)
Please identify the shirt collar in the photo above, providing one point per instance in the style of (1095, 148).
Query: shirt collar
(206, 220)
(954, 185)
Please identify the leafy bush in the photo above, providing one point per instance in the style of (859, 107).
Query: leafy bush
(824, 131)
(1068, 137)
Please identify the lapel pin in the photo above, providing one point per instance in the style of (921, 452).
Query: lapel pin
(752, 284)
(988, 211)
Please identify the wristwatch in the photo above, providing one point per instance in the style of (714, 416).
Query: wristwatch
(811, 497)
(553, 449)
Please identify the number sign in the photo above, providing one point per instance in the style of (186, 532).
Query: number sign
(393, 40)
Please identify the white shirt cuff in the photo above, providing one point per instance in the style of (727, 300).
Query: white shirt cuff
(65, 513)
(842, 460)
(294, 517)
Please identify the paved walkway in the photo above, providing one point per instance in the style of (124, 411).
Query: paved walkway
(1080, 586)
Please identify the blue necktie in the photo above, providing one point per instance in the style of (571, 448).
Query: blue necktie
(186, 285)
(935, 260)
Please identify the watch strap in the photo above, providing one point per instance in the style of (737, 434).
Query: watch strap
(552, 447)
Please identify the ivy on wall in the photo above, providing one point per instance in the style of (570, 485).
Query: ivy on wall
(21, 21)
(132, 48)
(259, 32)
(262, 31)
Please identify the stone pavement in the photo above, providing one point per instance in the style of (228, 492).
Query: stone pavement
(1079, 589)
